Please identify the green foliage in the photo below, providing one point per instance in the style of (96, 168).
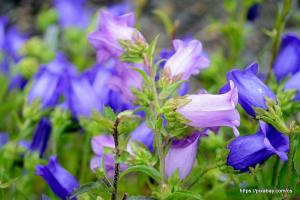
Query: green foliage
(150, 171)
(46, 18)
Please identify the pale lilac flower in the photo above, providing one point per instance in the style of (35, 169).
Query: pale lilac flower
(111, 30)
(182, 155)
(207, 110)
(187, 60)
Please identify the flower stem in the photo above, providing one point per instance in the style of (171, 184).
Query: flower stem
(275, 171)
(291, 156)
(279, 27)
(117, 165)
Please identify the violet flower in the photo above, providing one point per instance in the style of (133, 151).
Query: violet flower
(144, 135)
(293, 83)
(72, 13)
(3, 139)
(247, 151)
(41, 136)
(182, 155)
(58, 179)
(17, 82)
(251, 90)
(51, 81)
(207, 110)
(113, 28)
(288, 58)
(253, 12)
(81, 97)
(187, 60)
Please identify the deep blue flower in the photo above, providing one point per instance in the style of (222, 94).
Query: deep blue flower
(41, 136)
(288, 58)
(51, 81)
(253, 12)
(294, 83)
(3, 139)
(72, 13)
(58, 179)
(247, 151)
(251, 90)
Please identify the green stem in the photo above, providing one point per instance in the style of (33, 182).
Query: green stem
(291, 155)
(114, 195)
(279, 27)
(85, 155)
(204, 171)
(275, 171)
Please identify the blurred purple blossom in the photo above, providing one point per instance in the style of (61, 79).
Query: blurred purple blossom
(247, 151)
(144, 135)
(294, 83)
(3, 139)
(288, 58)
(207, 110)
(58, 179)
(72, 13)
(254, 12)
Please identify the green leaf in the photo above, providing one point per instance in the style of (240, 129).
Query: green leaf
(151, 50)
(143, 74)
(184, 195)
(99, 186)
(8, 183)
(169, 90)
(149, 170)
(109, 113)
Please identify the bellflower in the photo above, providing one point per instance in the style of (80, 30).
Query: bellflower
(41, 136)
(293, 83)
(144, 135)
(59, 179)
(98, 145)
(3, 139)
(187, 60)
(113, 28)
(81, 97)
(182, 155)
(72, 13)
(288, 58)
(207, 110)
(251, 90)
(121, 8)
(247, 151)
(51, 81)
(253, 12)
(17, 82)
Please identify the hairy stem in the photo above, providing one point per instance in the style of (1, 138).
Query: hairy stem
(117, 165)
(279, 27)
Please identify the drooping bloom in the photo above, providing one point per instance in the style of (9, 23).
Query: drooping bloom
(251, 90)
(81, 97)
(51, 81)
(144, 135)
(187, 60)
(247, 151)
(253, 12)
(294, 83)
(72, 13)
(41, 136)
(288, 58)
(207, 110)
(3, 139)
(182, 155)
(58, 179)
(113, 28)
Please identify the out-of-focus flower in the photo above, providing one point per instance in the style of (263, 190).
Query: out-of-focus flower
(251, 90)
(51, 81)
(72, 13)
(3, 139)
(98, 145)
(144, 135)
(182, 155)
(207, 110)
(81, 97)
(288, 58)
(253, 12)
(187, 60)
(111, 30)
(17, 82)
(121, 8)
(294, 83)
(41, 136)
(247, 151)
(59, 179)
